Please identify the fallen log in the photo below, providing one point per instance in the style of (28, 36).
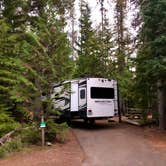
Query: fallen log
(6, 137)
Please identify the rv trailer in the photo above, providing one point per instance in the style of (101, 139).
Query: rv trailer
(86, 98)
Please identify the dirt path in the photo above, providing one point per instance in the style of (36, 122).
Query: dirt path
(68, 154)
(102, 145)
(118, 145)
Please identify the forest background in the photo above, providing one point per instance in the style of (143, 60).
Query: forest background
(40, 45)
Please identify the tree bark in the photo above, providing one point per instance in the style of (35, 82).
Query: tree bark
(37, 102)
(161, 104)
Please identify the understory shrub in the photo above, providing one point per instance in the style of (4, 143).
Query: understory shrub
(11, 146)
(55, 131)
(3, 152)
(50, 131)
(31, 136)
(62, 131)
(7, 124)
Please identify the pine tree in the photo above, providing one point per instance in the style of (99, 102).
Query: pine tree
(52, 51)
(151, 57)
(120, 11)
(105, 46)
(14, 83)
(122, 61)
(35, 44)
(87, 63)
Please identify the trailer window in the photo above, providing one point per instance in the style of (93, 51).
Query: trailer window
(102, 93)
(82, 94)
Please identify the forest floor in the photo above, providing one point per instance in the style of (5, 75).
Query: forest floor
(156, 137)
(100, 145)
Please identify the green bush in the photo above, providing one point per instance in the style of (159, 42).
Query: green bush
(31, 136)
(7, 124)
(62, 131)
(51, 130)
(3, 152)
(22, 138)
(11, 146)
(55, 131)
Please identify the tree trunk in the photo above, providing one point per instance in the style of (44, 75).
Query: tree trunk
(161, 105)
(37, 102)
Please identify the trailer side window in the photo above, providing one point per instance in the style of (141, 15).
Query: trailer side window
(82, 94)
(102, 93)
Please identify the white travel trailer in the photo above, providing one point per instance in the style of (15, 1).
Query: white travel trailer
(86, 98)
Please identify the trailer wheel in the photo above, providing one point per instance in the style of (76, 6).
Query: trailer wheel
(92, 121)
(85, 120)
(68, 120)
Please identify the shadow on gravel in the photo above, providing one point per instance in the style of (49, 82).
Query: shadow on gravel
(98, 125)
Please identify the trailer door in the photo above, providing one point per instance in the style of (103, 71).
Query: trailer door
(101, 102)
(82, 98)
(74, 96)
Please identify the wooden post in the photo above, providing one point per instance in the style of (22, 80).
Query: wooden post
(43, 132)
(43, 136)
(161, 104)
(119, 109)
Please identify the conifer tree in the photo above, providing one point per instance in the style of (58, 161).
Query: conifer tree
(14, 82)
(123, 62)
(120, 10)
(151, 72)
(105, 45)
(39, 49)
(87, 62)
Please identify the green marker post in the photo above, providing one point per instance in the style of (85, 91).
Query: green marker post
(42, 126)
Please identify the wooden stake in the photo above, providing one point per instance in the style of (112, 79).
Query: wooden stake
(43, 132)
(43, 136)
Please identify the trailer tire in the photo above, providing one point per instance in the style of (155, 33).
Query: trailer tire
(85, 120)
(92, 121)
(68, 121)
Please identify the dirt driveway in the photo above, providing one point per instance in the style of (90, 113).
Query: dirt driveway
(102, 145)
(118, 145)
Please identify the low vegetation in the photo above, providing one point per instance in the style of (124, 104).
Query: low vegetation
(55, 131)
(31, 135)
(12, 145)
(7, 124)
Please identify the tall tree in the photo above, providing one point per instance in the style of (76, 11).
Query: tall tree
(87, 62)
(123, 50)
(105, 44)
(14, 81)
(36, 40)
(73, 32)
(151, 58)
(120, 13)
